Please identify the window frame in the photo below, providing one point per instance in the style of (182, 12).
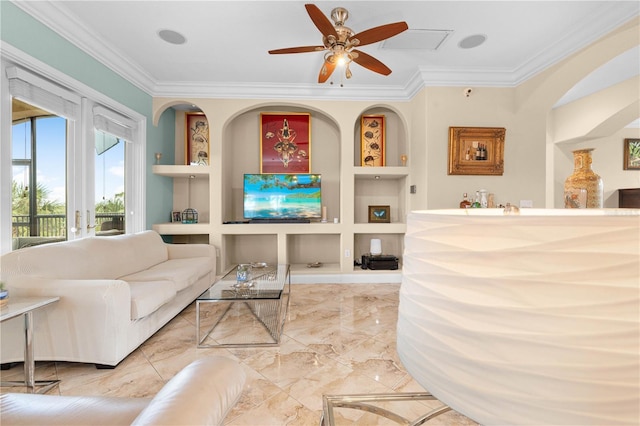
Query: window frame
(80, 148)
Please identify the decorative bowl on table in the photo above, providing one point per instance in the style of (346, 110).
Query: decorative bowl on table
(243, 284)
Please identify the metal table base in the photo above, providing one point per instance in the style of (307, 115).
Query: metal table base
(364, 402)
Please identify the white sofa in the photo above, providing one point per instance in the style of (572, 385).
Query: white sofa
(202, 393)
(115, 292)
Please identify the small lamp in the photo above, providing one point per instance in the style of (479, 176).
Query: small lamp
(376, 246)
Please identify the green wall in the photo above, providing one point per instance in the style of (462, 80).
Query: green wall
(27, 34)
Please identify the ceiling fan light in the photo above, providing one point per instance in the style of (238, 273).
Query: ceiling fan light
(347, 72)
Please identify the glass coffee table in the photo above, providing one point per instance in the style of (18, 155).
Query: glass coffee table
(244, 313)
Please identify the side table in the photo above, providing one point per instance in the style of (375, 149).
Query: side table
(26, 306)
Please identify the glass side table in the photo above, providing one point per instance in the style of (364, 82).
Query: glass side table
(25, 306)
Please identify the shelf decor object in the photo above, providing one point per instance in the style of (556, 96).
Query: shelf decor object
(584, 188)
(632, 154)
(189, 215)
(372, 134)
(379, 214)
(285, 142)
(197, 139)
(476, 150)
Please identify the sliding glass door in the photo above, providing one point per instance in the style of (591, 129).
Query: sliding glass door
(110, 184)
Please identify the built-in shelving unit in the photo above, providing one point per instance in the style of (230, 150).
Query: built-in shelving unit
(348, 189)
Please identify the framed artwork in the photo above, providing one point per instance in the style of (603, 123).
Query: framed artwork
(372, 140)
(632, 154)
(285, 142)
(379, 214)
(476, 150)
(197, 139)
(176, 216)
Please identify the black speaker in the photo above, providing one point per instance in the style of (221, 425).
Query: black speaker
(379, 262)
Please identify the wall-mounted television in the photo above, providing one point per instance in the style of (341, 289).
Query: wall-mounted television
(282, 196)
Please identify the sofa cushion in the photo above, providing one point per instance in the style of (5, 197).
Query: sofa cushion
(148, 296)
(88, 258)
(181, 272)
(134, 252)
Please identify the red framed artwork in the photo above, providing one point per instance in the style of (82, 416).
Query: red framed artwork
(285, 142)
(197, 139)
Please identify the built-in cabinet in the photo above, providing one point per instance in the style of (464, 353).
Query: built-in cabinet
(347, 190)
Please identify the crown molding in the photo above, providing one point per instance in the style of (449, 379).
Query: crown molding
(203, 89)
(58, 20)
(578, 38)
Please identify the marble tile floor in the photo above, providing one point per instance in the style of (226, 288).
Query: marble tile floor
(338, 339)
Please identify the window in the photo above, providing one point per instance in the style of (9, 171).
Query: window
(60, 169)
(38, 191)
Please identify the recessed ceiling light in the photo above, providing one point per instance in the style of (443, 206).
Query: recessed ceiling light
(172, 37)
(472, 41)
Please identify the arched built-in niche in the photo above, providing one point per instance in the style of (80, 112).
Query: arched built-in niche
(395, 137)
(190, 185)
(179, 108)
(241, 154)
(384, 186)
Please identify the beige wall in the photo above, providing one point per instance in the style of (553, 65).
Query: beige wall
(523, 177)
(537, 144)
(607, 162)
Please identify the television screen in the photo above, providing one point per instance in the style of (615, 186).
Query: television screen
(282, 196)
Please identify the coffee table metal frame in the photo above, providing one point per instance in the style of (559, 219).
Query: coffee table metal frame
(267, 298)
(364, 402)
(25, 306)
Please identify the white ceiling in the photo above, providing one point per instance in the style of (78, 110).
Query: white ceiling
(227, 43)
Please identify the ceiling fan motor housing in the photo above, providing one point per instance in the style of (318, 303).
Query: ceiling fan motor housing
(339, 15)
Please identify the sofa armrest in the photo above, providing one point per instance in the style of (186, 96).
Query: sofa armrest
(93, 296)
(95, 312)
(201, 394)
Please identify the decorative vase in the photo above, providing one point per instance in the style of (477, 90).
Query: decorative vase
(584, 188)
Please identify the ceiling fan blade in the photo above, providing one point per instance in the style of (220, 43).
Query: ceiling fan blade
(376, 34)
(371, 63)
(321, 22)
(301, 49)
(326, 70)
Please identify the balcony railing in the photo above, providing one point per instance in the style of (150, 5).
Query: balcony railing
(55, 225)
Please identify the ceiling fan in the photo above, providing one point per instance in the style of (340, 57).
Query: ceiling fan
(340, 42)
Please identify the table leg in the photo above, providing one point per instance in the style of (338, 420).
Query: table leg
(29, 361)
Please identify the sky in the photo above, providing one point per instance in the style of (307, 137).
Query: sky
(51, 160)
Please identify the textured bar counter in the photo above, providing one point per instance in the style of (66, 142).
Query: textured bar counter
(525, 319)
